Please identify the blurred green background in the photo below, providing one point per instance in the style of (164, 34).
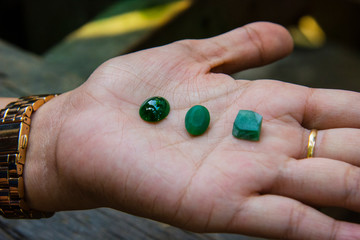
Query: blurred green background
(64, 33)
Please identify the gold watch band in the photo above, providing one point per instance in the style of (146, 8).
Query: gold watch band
(14, 135)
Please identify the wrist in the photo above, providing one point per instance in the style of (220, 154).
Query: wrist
(40, 175)
(52, 179)
(6, 101)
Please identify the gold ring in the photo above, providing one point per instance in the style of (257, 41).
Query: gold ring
(311, 143)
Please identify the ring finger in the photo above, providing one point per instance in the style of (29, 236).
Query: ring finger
(341, 144)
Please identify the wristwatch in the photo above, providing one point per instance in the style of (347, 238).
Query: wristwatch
(15, 121)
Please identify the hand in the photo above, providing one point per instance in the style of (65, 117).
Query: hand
(89, 147)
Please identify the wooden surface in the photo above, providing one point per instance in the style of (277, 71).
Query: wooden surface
(104, 224)
(67, 65)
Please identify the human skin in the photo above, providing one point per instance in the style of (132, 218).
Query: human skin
(89, 147)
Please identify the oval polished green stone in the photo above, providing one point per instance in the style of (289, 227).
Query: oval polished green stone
(154, 109)
(197, 120)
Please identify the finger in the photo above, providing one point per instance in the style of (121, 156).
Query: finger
(253, 45)
(283, 218)
(320, 181)
(340, 144)
(326, 109)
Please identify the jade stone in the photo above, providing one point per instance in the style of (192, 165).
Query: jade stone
(197, 120)
(154, 109)
(247, 125)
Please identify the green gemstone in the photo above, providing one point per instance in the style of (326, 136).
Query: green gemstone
(247, 125)
(154, 109)
(197, 120)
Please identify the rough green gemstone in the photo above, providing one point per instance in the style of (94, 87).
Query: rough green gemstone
(247, 125)
(154, 109)
(197, 120)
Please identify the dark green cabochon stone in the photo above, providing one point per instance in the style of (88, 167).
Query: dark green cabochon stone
(247, 125)
(154, 109)
(197, 120)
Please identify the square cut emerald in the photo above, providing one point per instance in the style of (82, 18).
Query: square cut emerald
(247, 125)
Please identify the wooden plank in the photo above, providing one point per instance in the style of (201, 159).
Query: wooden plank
(100, 224)
(23, 73)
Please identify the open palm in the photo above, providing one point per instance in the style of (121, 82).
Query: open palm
(109, 156)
